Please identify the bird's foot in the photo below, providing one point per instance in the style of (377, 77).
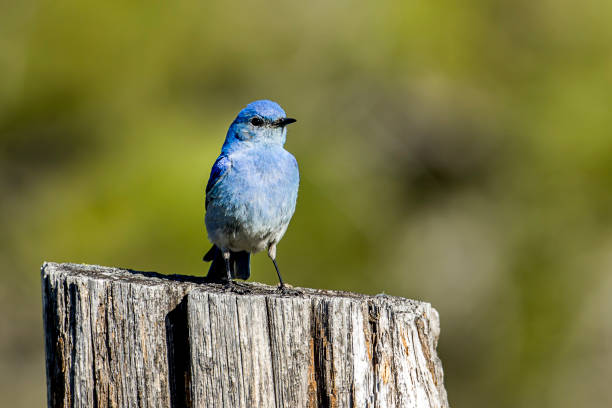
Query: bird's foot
(241, 288)
(235, 287)
(288, 290)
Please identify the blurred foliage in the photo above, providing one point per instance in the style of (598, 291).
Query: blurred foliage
(456, 152)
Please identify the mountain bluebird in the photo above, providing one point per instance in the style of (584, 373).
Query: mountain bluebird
(251, 193)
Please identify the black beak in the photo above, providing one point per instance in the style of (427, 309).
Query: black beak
(283, 122)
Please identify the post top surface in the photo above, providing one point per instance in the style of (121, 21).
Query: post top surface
(198, 283)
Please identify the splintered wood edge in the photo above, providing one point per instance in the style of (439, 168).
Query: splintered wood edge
(196, 282)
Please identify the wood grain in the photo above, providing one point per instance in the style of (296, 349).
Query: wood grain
(122, 338)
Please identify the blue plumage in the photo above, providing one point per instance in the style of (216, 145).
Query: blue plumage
(251, 192)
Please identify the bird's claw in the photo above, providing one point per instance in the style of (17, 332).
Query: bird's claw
(232, 286)
(285, 290)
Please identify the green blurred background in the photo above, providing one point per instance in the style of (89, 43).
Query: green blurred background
(454, 152)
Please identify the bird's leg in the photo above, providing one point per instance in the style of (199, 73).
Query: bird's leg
(272, 255)
(231, 285)
(226, 258)
(284, 289)
(280, 279)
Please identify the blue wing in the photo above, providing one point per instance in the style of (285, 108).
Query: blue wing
(219, 169)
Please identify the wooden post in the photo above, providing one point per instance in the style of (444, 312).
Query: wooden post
(122, 338)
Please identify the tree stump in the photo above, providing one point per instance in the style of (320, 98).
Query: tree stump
(123, 338)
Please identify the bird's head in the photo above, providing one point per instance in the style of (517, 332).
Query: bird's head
(259, 122)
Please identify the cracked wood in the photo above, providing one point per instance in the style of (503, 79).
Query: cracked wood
(122, 338)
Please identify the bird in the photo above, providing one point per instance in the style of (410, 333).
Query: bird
(251, 193)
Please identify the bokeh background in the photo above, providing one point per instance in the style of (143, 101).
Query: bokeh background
(454, 152)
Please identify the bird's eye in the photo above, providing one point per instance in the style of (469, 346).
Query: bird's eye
(257, 121)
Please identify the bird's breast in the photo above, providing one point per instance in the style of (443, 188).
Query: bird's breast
(254, 202)
(260, 189)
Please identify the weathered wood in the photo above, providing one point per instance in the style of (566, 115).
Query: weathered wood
(123, 338)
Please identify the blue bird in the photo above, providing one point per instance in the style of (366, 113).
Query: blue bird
(251, 192)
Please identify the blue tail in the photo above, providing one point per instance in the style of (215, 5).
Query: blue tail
(240, 265)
